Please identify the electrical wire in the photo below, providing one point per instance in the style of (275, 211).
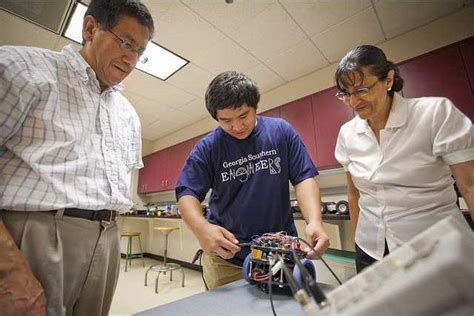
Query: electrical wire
(197, 255)
(297, 261)
(270, 291)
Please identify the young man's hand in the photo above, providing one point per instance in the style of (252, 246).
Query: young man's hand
(318, 238)
(217, 240)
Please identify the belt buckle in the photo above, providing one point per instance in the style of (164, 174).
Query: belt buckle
(110, 219)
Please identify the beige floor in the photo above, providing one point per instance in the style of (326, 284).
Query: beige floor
(132, 296)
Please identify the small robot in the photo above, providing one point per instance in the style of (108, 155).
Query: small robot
(263, 261)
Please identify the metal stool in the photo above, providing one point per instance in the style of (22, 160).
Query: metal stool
(129, 256)
(165, 267)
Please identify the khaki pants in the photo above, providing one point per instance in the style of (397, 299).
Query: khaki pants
(77, 261)
(218, 272)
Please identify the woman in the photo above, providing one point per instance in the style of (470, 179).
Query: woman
(399, 155)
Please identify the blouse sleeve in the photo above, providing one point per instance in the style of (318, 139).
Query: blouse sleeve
(453, 134)
(340, 152)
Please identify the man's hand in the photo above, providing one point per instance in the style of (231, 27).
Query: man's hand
(318, 239)
(217, 240)
(20, 291)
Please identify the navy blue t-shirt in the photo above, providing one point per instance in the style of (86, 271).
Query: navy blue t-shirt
(248, 178)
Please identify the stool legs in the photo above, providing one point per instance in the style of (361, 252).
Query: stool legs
(165, 267)
(129, 255)
(141, 250)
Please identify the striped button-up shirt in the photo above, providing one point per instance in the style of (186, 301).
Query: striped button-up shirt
(63, 142)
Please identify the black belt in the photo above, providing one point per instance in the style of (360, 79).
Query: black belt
(99, 215)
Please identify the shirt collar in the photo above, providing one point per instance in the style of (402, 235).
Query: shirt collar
(399, 113)
(79, 64)
(397, 117)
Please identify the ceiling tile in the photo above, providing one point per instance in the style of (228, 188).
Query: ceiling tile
(192, 79)
(25, 33)
(185, 33)
(156, 90)
(299, 60)
(315, 16)
(270, 33)
(362, 28)
(228, 17)
(226, 55)
(196, 108)
(412, 14)
(265, 78)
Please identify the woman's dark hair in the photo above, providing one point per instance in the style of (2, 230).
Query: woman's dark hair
(231, 89)
(374, 59)
(109, 12)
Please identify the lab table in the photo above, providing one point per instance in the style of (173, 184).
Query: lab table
(236, 298)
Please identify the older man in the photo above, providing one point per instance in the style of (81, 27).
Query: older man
(68, 143)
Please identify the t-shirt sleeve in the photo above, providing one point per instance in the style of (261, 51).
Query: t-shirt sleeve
(301, 167)
(196, 175)
(18, 92)
(340, 152)
(453, 134)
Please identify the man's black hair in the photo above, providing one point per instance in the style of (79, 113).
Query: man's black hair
(109, 12)
(231, 89)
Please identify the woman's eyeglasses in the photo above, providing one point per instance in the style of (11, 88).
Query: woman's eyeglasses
(359, 92)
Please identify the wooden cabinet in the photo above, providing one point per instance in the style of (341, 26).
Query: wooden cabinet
(439, 73)
(275, 112)
(176, 158)
(467, 52)
(161, 169)
(299, 114)
(152, 176)
(329, 114)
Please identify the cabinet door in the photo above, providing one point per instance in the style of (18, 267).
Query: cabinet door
(157, 170)
(439, 73)
(272, 113)
(144, 175)
(177, 156)
(329, 114)
(300, 115)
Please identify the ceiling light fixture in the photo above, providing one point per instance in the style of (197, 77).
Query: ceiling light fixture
(161, 63)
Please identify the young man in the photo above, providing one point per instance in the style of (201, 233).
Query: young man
(69, 141)
(247, 162)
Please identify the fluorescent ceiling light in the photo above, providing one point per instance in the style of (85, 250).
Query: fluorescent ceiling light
(161, 62)
(74, 28)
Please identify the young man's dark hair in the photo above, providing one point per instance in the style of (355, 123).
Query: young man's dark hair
(231, 89)
(108, 13)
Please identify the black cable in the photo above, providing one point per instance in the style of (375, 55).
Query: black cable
(197, 255)
(270, 291)
(317, 254)
(309, 283)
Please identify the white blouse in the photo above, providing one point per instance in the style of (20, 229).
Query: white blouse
(404, 182)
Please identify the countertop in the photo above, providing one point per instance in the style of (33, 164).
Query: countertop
(297, 216)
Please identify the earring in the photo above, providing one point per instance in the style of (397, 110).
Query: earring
(390, 88)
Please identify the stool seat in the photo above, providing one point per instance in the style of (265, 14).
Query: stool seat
(166, 229)
(130, 234)
(165, 266)
(129, 256)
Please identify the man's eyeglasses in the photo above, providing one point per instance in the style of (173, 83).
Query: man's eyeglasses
(129, 46)
(359, 92)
